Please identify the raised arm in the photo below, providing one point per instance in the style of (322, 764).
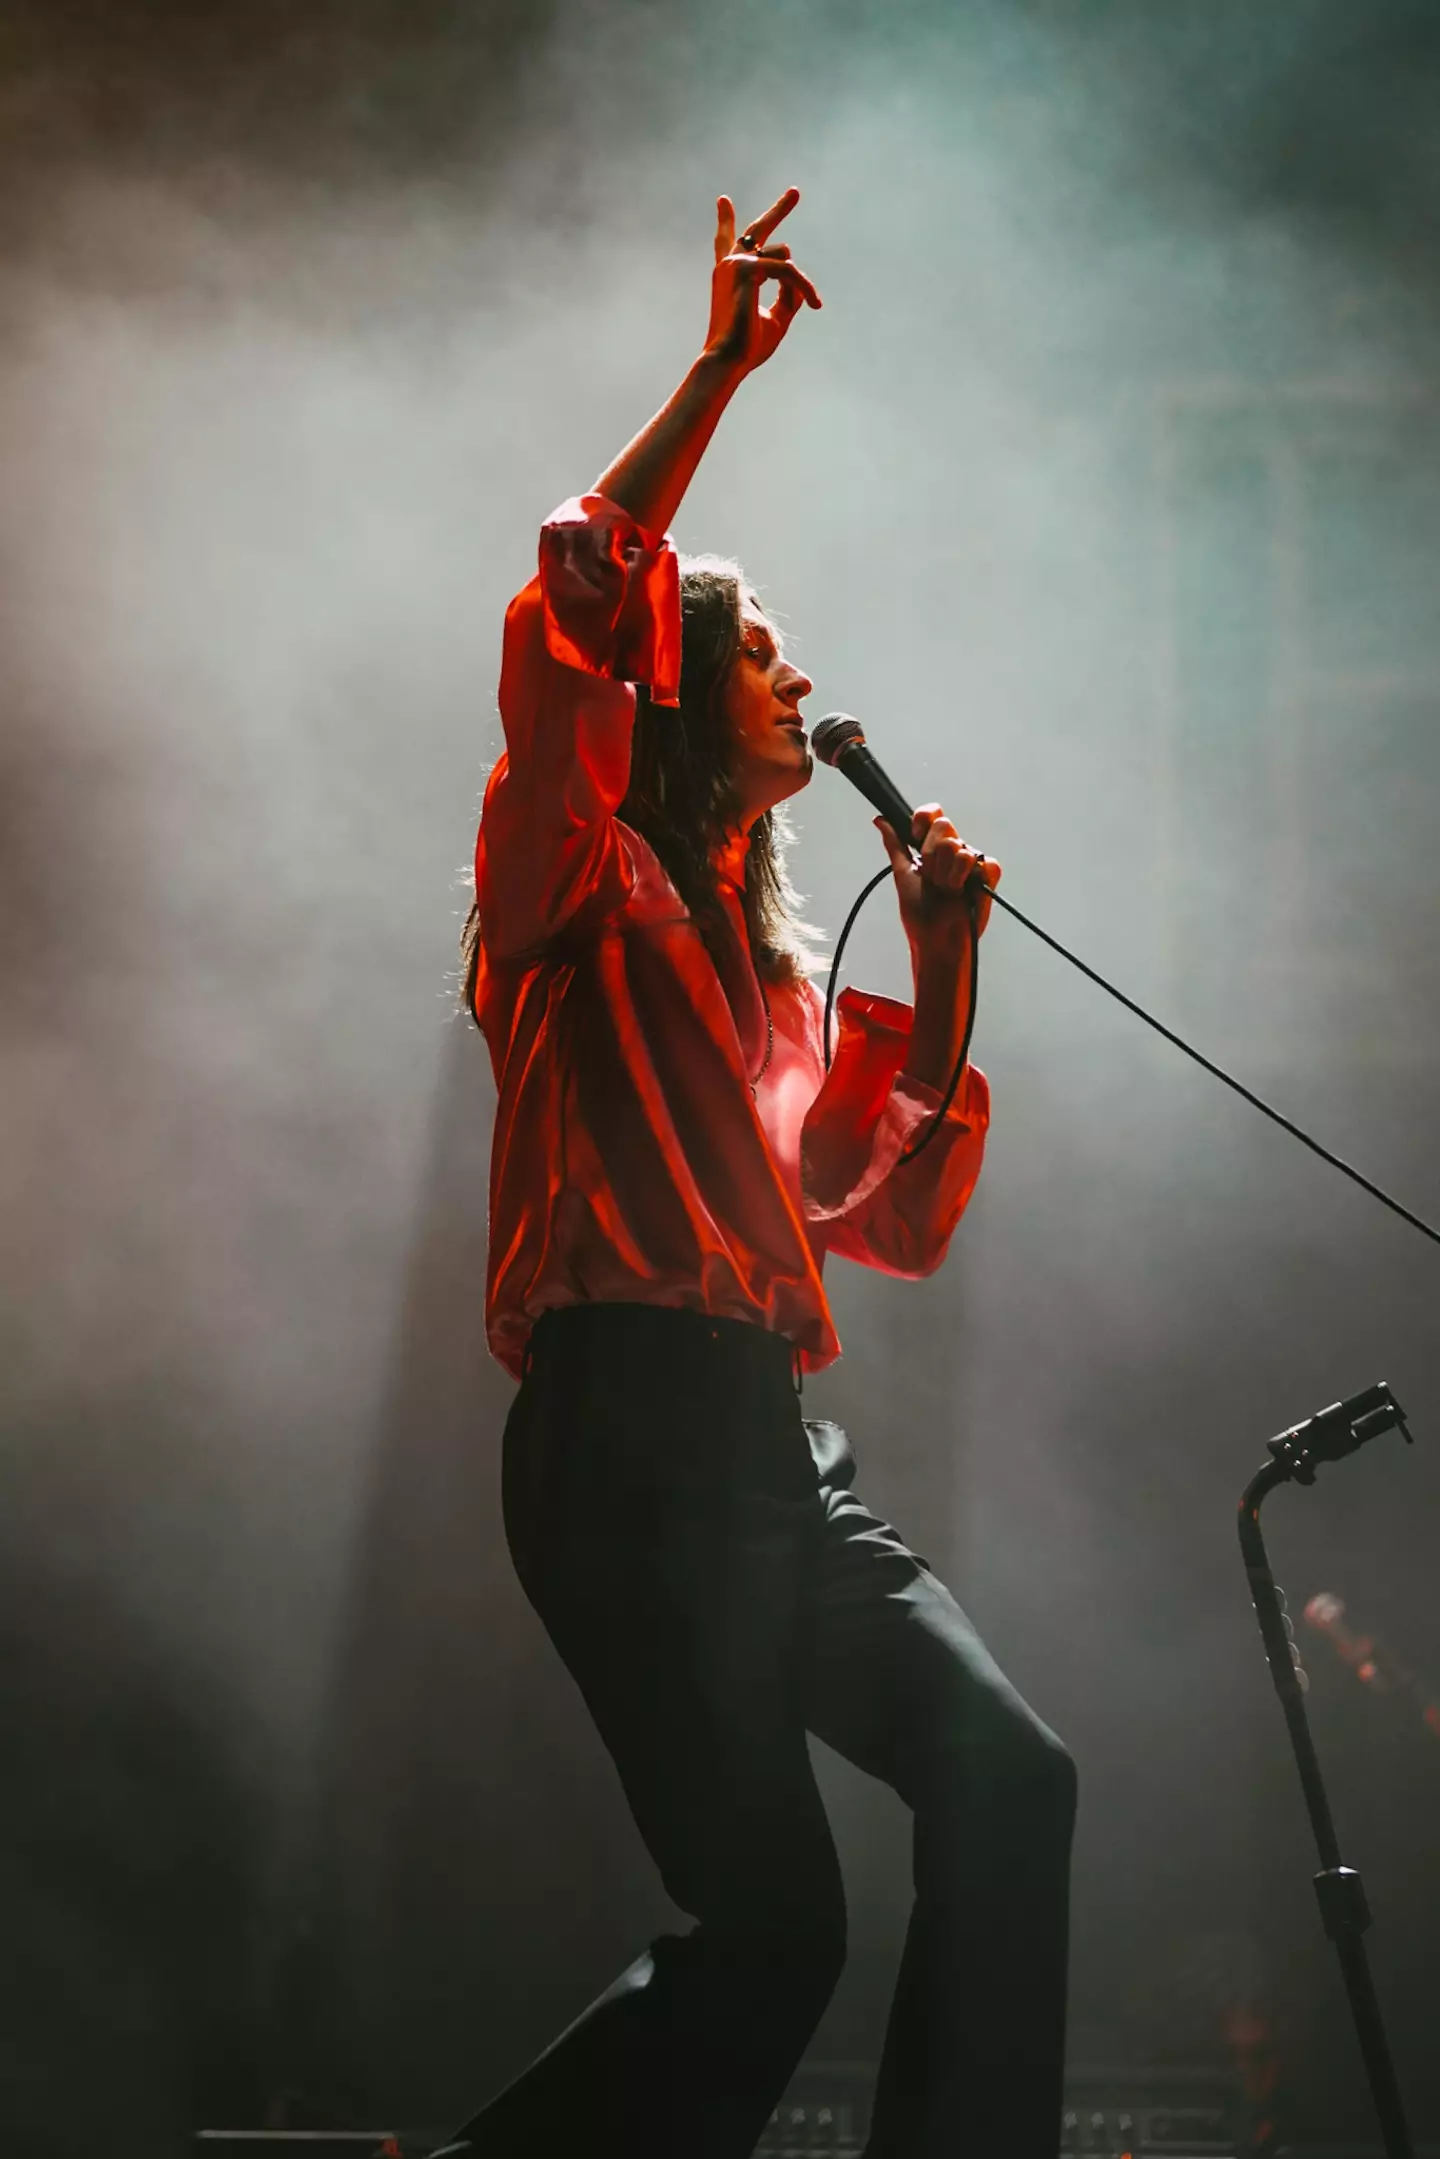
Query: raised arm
(651, 474)
(603, 615)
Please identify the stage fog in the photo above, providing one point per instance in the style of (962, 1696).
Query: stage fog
(1106, 488)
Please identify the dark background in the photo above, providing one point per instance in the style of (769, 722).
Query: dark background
(1108, 483)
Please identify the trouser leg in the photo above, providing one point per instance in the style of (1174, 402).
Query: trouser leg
(898, 1681)
(672, 1593)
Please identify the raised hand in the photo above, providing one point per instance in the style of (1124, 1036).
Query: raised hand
(742, 333)
(651, 474)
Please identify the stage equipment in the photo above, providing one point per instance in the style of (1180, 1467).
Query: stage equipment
(1141, 2114)
(1111, 2114)
(1153, 2114)
(839, 740)
(1294, 1458)
(826, 2109)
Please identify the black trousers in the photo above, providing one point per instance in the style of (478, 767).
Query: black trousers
(717, 1590)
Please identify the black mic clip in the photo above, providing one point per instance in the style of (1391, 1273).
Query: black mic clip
(1333, 1433)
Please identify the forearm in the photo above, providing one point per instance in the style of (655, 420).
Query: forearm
(942, 1004)
(651, 474)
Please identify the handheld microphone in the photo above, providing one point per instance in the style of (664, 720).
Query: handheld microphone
(839, 740)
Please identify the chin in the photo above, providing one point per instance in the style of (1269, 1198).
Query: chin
(781, 785)
(795, 780)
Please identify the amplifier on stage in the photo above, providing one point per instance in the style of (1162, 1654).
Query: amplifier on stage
(1176, 2114)
(826, 2109)
(1140, 2115)
(1154, 2114)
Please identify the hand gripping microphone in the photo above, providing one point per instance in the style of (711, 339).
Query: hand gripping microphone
(839, 740)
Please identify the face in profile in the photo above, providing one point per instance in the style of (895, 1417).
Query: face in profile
(762, 697)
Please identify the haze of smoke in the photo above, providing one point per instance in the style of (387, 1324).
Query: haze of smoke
(276, 439)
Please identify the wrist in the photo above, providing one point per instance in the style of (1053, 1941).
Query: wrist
(940, 950)
(718, 372)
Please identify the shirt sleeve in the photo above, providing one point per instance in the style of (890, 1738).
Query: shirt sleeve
(602, 614)
(870, 1206)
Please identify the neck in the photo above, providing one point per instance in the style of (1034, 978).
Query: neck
(730, 858)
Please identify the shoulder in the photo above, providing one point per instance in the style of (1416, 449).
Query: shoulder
(653, 895)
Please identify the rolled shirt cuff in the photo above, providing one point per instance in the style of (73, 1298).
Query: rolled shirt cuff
(869, 1112)
(611, 596)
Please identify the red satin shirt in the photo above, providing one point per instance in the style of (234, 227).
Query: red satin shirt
(632, 1161)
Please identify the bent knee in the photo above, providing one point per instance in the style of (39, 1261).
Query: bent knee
(1038, 1758)
(1059, 1777)
(1021, 1771)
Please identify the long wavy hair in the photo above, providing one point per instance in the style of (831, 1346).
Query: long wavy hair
(682, 797)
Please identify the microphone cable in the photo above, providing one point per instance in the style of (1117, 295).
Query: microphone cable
(1207, 1064)
(960, 1062)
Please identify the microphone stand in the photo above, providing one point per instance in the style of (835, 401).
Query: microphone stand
(1294, 1456)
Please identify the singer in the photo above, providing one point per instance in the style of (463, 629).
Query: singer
(671, 1167)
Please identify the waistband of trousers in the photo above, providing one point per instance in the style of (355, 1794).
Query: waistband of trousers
(668, 1333)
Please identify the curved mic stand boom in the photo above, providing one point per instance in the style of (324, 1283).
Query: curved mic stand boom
(1294, 1456)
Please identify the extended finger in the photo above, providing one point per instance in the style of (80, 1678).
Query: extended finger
(758, 231)
(724, 227)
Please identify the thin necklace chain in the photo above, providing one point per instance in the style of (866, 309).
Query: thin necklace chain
(744, 943)
(769, 1035)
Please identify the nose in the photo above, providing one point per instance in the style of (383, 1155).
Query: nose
(794, 686)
